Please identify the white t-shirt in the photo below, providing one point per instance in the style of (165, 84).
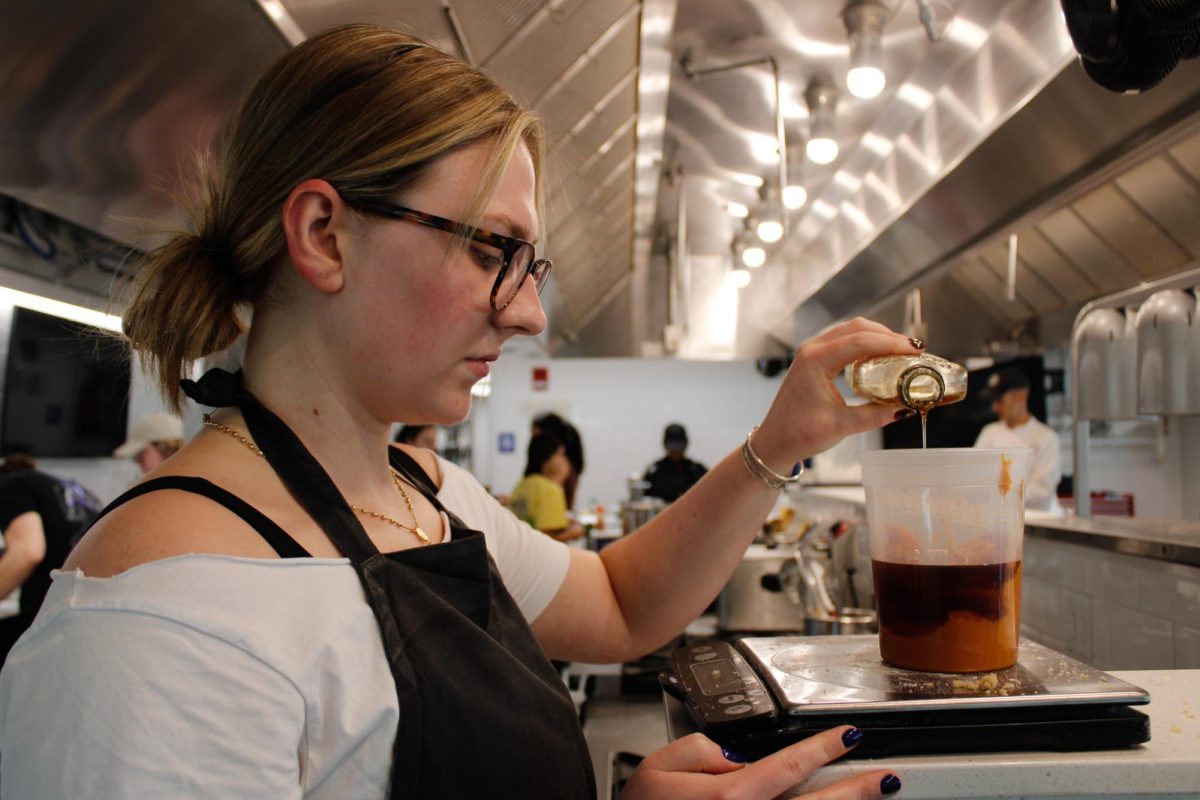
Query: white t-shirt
(1045, 464)
(208, 676)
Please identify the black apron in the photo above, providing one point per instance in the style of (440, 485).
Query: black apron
(482, 711)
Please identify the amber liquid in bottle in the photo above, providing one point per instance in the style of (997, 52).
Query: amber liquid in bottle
(919, 382)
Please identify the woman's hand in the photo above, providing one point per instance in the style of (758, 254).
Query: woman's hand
(809, 414)
(697, 768)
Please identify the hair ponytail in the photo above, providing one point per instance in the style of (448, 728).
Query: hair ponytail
(183, 308)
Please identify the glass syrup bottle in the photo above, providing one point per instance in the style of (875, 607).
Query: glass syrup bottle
(917, 382)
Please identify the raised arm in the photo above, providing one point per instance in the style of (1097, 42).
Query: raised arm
(645, 588)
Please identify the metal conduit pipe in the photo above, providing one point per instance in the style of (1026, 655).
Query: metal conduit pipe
(693, 72)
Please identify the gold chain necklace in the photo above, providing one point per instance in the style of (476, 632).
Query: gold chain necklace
(414, 529)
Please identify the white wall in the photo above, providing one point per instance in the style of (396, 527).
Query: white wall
(620, 407)
(1160, 466)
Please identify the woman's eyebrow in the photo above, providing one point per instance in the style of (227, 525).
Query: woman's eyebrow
(499, 223)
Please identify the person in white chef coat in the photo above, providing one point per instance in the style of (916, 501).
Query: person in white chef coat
(1016, 427)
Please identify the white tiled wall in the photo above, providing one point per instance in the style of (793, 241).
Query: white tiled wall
(1111, 610)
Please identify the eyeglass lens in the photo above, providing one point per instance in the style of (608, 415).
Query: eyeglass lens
(514, 276)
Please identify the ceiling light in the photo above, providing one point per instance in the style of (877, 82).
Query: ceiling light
(740, 278)
(754, 257)
(822, 150)
(865, 82)
(737, 210)
(794, 197)
(864, 23)
(57, 308)
(822, 147)
(770, 230)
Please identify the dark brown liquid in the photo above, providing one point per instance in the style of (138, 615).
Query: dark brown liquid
(948, 618)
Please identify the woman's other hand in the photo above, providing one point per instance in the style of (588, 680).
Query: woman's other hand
(697, 768)
(809, 414)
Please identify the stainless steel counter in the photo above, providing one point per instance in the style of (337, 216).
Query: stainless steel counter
(1174, 541)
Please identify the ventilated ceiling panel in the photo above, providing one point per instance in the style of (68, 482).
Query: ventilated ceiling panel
(1073, 237)
(1131, 233)
(1053, 267)
(1169, 198)
(1031, 287)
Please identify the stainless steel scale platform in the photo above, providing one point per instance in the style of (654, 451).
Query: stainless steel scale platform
(759, 694)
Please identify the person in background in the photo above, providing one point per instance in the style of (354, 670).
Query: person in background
(418, 436)
(539, 498)
(1008, 390)
(152, 440)
(568, 434)
(42, 517)
(290, 607)
(674, 473)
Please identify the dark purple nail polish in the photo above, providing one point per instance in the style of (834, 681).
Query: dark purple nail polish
(917, 343)
(736, 758)
(890, 784)
(904, 413)
(852, 737)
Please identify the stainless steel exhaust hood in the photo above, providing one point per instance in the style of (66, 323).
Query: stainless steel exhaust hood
(105, 103)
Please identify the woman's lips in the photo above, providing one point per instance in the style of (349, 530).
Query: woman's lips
(480, 365)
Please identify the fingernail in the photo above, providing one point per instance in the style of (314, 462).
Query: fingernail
(852, 737)
(890, 784)
(736, 758)
(917, 343)
(905, 413)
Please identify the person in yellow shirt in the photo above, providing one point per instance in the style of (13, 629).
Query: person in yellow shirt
(539, 498)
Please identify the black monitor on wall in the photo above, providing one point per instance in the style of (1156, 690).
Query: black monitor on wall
(959, 424)
(66, 388)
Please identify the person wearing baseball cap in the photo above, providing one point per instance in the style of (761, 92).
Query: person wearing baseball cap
(152, 440)
(674, 473)
(1008, 390)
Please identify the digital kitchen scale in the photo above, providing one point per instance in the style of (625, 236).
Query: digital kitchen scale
(757, 695)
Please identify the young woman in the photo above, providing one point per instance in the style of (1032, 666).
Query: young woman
(539, 498)
(285, 608)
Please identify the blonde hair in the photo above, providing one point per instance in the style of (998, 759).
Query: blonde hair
(367, 109)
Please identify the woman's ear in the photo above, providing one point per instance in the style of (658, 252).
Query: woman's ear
(314, 216)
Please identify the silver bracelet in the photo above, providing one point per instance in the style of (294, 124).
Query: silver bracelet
(761, 471)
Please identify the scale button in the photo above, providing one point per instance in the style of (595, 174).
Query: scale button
(733, 711)
(705, 656)
(730, 698)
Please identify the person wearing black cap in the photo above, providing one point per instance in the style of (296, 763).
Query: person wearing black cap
(1008, 390)
(674, 473)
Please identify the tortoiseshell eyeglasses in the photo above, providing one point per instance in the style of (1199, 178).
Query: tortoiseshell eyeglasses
(512, 259)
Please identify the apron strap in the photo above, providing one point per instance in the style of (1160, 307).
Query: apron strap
(308, 482)
(411, 471)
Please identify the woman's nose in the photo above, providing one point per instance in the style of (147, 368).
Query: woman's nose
(525, 312)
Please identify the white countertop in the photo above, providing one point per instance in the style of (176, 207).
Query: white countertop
(1166, 766)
